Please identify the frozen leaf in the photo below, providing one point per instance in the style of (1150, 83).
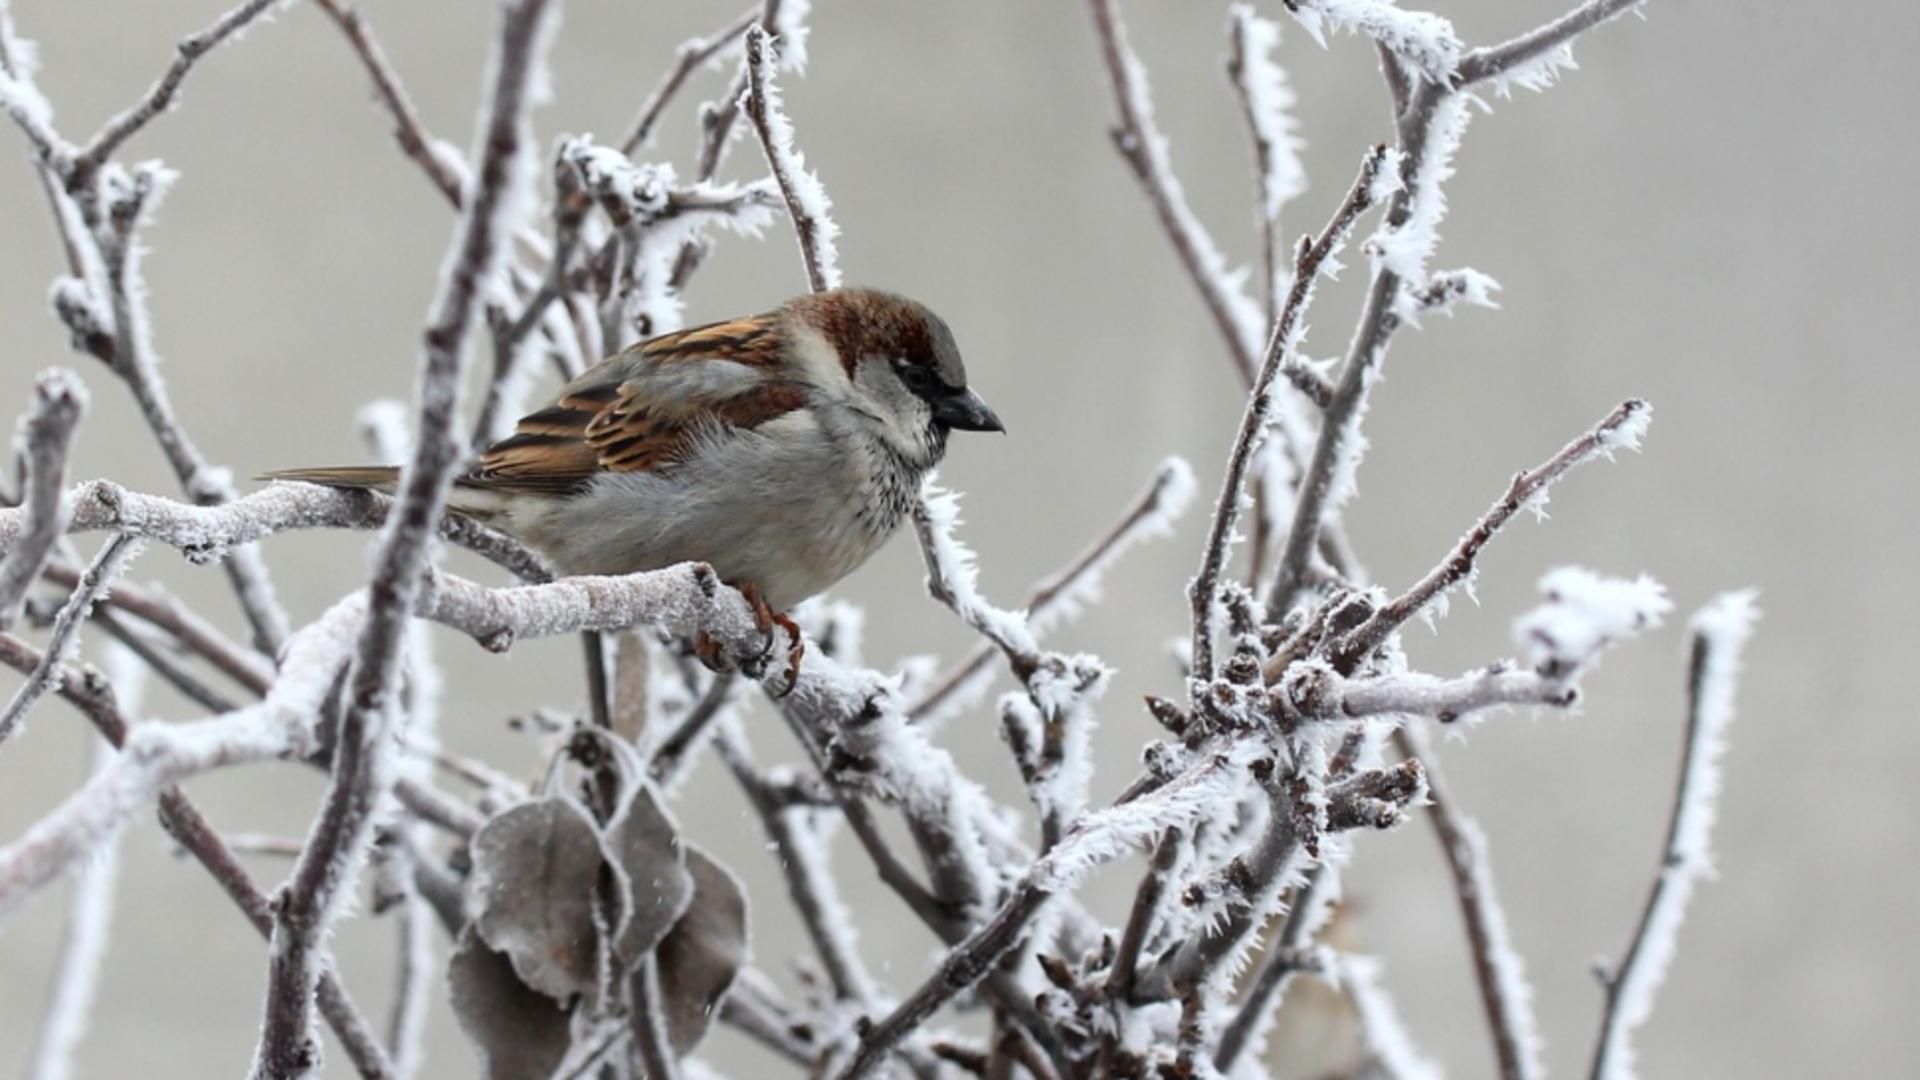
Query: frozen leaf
(649, 858)
(520, 1031)
(701, 956)
(535, 869)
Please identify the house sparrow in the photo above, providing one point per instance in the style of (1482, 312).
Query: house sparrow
(781, 449)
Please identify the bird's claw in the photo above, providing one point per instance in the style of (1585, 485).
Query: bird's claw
(765, 619)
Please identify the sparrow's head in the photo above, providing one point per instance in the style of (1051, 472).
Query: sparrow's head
(902, 366)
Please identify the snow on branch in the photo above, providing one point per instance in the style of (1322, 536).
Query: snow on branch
(691, 56)
(45, 437)
(63, 643)
(807, 202)
(1719, 634)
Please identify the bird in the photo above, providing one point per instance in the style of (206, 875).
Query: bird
(781, 449)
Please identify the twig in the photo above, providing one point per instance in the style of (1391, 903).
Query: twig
(1494, 61)
(1313, 255)
(159, 98)
(1287, 957)
(1261, 88)
(156, 656)
(1504, 994)
(64, 641)
(1720, 632)
(1093, 839)
(807, 202)
(649, 1024)
(206, 534)
(83, 941)
(1054, 598)
(1145, 150)
(1429, 128)
(688, 59)
(412, 135)
(93, 696)
(672, 753)
(180, 623)
(1622, 428)
(1141, 918)
(303, 918)
(59, 400)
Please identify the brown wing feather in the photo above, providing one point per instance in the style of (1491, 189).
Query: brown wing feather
(605, 424)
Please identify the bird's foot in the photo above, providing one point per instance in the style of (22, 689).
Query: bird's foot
(764, 620)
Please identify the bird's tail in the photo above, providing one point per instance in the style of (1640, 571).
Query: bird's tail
(474, 502)
(381, 478)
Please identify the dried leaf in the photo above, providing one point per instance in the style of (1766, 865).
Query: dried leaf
(535, 870)
(520, 1031)
(703, 953)
(659, 887)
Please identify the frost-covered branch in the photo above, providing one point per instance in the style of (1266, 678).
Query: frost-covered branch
(1551, 43)
(1505, 996)
(1145, 149)
(1719, 634)
(79, 830)
(1372, 185)
(1429, 130)
(691, 55)
(63, 643)
(208, 534)
(337, 845)
(435, 158)
(1061, 595)
(807, 202)
(46, 435)
(159, 98)
(1265, 100)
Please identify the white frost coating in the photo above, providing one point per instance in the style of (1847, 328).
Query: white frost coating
(1584, 614)
(1405, 250)
(1628, 434)
(1509, 972)
(807, 193)
(1720, 631)
(385, 426)
(1270, 100)
(742, 209)
(1249, 321)
(158, 755)
(1380, 1026)
(1425, 41)
(1106, 834)
(953, 571)
(83, 946)
(790, 29)
(1538, 73)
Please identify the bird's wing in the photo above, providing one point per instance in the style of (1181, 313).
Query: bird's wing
(644, 409)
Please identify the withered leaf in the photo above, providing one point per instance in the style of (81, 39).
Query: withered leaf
(520, 1031)
(659, 886)
(700, 957)
(535, 868)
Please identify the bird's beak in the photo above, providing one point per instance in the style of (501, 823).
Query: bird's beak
(963, 410)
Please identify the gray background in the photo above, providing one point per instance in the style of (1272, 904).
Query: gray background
(1715, 212)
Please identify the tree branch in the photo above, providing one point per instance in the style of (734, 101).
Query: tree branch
(46, 436)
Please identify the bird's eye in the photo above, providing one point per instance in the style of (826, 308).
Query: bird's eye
(918, 378)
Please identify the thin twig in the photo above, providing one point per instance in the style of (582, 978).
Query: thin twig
(302, 919)
(1504, 994)
(1621, 428)
(412, 135)
(1287, 957)
(46, 436)
(64, 642)
(93, 696)
(1313, 255)
(159, 98)
(1720, 632)
(688, 59)
(1052, 598)
(807, 203)
(1493, 61)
